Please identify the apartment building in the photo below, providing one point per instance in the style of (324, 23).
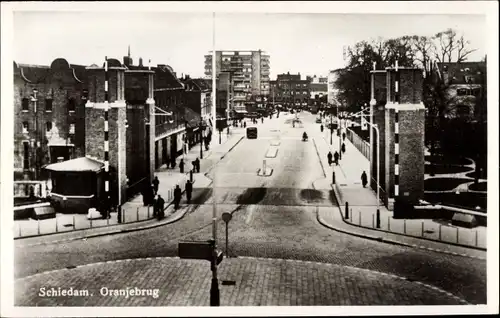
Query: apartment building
(249, 74)
(290, 90)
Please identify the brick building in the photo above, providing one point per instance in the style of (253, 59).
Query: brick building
(290, 90)
(49, 115)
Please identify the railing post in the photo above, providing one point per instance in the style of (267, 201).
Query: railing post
(404, 226)
(373, 220)
(90, 222)
(74, 225)
(457, 233)
(439, 233)
(38, 225)
(359, 217)
(378, 219)
(388, 223)
(57, 230)
(347, 210)
(476, 241)
(422, 228)
(119, 215)
(137, 213)
(148, 211)
(20, 230)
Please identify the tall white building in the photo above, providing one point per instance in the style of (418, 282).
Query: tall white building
(249, 73)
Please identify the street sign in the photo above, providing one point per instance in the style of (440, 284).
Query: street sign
(196, 250)
(226, 217)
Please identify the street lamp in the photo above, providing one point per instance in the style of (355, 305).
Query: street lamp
(201, 139)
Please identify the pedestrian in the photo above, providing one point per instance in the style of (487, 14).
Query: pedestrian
(181, 165)
(336, 158)
(343, 136)
(343, 147)
(329, 158)
(262, 119)
(189, 190)
(156, 183)
(244, 124)
(173, 163)
(161, 207)
(155, 208)
(364, 179)
(177, 196)
(197, 161)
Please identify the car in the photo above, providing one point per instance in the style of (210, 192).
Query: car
(252, 132)
(318, 120)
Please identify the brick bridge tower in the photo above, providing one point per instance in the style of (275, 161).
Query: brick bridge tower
(105, 126)
(399, 113)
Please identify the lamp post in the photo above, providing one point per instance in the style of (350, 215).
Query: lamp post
(201, 140)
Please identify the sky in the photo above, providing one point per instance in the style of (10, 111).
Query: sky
(309, 43)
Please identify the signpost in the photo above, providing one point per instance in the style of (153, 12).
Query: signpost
(226, 217)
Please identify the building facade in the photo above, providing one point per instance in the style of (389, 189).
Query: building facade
(464, 84)
(249, 73)
(332, 90)
(290, 90)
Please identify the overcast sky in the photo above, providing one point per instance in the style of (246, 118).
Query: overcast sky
(305, 43)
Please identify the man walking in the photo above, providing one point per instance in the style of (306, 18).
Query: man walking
(343, 136)
(336, 158)
(177, 196)
(343, 147)
(364, 179)
(160, 203)
(189, 190)
(156, 183)
(321, 127)
(329, 158)
(197, 164)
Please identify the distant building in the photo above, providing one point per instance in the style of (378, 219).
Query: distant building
(249, 74)
(465, 82)
(291, 90)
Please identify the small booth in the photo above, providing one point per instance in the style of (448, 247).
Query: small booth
(77, 184)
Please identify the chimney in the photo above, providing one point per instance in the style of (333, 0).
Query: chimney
(140, 62)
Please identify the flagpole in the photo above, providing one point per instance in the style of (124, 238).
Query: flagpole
(214, 289)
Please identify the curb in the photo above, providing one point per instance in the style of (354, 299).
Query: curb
(388, 241)
(319, 157)
(222, 157)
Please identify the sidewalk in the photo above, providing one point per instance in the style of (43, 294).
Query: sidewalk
(135, 216)
(361, 221)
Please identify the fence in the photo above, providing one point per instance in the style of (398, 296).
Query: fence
(428, 229)
(130, 213)
(359, 143)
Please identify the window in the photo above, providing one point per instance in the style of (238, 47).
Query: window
(26, 104)
(26, 155)
(48, 125)
(25, 127)
(461, 91)
(469, 79)
(71, 129)
(48, 104)
(71, 104)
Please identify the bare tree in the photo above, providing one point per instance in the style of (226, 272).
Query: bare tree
(462, 50)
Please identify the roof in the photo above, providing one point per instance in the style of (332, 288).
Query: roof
(192, 118)
(165, 78)
(198, 83)
(459, 71)
(76, 165)
(39, 73)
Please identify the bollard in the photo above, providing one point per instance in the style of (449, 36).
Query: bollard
(90, 222)
(74, 225)
(422, 228)
(389, 223)
(57, 230)
(148, 211)
(38, 224)
(439, 232)
(119, 214)
(333, 177)
(137, 213)
(107, 219)
(404, 226)
(359, 217)
(457, 234)
(373, 220)
(476, 239)
(378, 219)
(20, 230)
(347, 210)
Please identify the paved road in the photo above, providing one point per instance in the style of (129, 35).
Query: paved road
(273, 217)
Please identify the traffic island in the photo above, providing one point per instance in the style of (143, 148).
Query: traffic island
(265, 173)
(272, 152)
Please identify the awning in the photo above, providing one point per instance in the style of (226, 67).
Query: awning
(76, 165)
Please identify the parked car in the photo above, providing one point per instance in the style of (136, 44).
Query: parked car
(318, 120)
(252, 132)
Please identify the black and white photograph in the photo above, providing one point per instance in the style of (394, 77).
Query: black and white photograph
(253, 158)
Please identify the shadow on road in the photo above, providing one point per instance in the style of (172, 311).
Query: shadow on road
(251, 196)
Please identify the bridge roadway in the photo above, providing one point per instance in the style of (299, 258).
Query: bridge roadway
(273, 217)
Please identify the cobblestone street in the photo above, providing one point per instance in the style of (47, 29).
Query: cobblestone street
(258, 282)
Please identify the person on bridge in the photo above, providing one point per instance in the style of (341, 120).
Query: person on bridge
(321, 127)
(160, 210)
(181, 165)
(189, 190)
(177, 196)
(336, 158)
(329, 156)
(364, 179)
(156, 183)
